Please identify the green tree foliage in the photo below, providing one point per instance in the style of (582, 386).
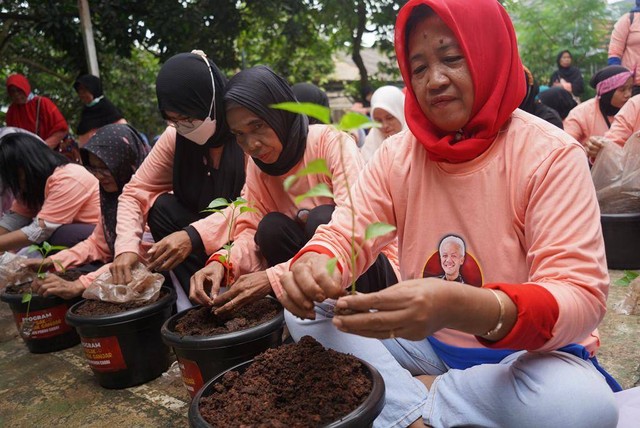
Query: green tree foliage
(544, 28)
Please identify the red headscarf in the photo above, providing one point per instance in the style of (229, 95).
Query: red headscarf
(487, 38)
(20, 82)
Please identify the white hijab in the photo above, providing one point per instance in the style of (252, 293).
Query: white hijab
(390, 99)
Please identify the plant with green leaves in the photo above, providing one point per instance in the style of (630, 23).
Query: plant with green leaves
(629, 276)
(238, 206)
(349, 122)
(44, 249)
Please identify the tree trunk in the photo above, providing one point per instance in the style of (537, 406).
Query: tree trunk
(357, 44)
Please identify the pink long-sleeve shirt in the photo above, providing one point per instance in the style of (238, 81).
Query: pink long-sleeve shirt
(586, 120)
(266, 194)
(152, 179)
(625, 43)
(71, 195)
(527, 211)
(626, 122)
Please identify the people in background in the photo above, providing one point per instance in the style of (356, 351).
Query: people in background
(531, 103)
(97, 110)
(592, 118)
(387, 108)
(310, 93)
(567, 76)
(455, 354)
(35, 113)
(195, 161)
(558, 99)
(55, 201)
(625, 123)
(624, 45)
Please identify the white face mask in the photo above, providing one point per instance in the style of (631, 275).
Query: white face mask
(200, 131)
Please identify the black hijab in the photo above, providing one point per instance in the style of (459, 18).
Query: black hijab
(183, 86)
(604, 101)
(122, 151)
(256, 89)
(310, 93)
(99, 114)
(558, 99)
(571, 74)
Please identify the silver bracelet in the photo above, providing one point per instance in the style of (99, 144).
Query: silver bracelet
(500, 318)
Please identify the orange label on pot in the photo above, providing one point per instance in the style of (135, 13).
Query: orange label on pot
(191, 376)
(46, 323)
(103, 354)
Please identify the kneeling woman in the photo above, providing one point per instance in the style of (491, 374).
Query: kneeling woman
(113, 154)
(55, 201)
(280, 144)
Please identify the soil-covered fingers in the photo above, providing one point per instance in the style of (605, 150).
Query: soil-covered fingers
(197, 291)
(294, 300)
(121, 268)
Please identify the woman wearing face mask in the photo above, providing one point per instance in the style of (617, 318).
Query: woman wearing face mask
(280, 144)
(195, 161)
(517, 350)
(387, 108)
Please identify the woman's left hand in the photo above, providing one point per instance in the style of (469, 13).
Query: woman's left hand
(410, 309)
(53, 285)
(169, 252)
(247, 289)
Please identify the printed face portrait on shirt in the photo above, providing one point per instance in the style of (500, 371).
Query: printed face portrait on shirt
(452, 261)
(451, 257)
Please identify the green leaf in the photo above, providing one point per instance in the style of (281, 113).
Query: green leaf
(377, 229)
(239, 201)
(322, 113)
(247, 210)
(33, 248)
(57, 247)
(62, 268)
(227, 247)
(331, 265)
(26, 297)
(316, 166)
(352, 120)
(318, 190)
(46, 246)
(218, 203)
(288, 182)
(222, 258)
(629, 276)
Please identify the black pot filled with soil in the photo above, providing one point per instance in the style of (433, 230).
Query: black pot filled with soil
(621, 234)
(45, 328)
(121, 341)
(295, 385)
(206, 345)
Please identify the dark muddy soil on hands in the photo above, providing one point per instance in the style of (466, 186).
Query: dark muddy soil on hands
(296, 385)
(202, 322)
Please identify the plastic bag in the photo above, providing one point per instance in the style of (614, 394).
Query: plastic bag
(616, 177)
(12, 272)
(144, 287)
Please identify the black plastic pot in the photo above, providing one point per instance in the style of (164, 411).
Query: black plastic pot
(622, 240)
(200, 358)
(362, 416)
(126, 349)
(50, 331)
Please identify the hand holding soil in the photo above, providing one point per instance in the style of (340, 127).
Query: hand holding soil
(309, 281)
(53, 285)
(247, 289)
(208, 278)
(169, 252)
(121, 267)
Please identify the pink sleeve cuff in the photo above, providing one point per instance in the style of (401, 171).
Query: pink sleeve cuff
(538, 313)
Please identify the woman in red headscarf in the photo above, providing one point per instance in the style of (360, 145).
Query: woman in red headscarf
(37, 114)
(515, 346)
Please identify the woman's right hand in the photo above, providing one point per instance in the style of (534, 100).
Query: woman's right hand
(594, 145)
(34, 264)
(121, 267)
(208, 278)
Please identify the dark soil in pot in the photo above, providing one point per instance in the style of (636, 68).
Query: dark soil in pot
(295, 385)
(206, 345)
(202, 321)
(122, 342)
(48, 331)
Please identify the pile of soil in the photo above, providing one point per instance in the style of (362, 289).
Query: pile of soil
(295, 385)
(90, 308)
(68, 275)
(203, 322)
